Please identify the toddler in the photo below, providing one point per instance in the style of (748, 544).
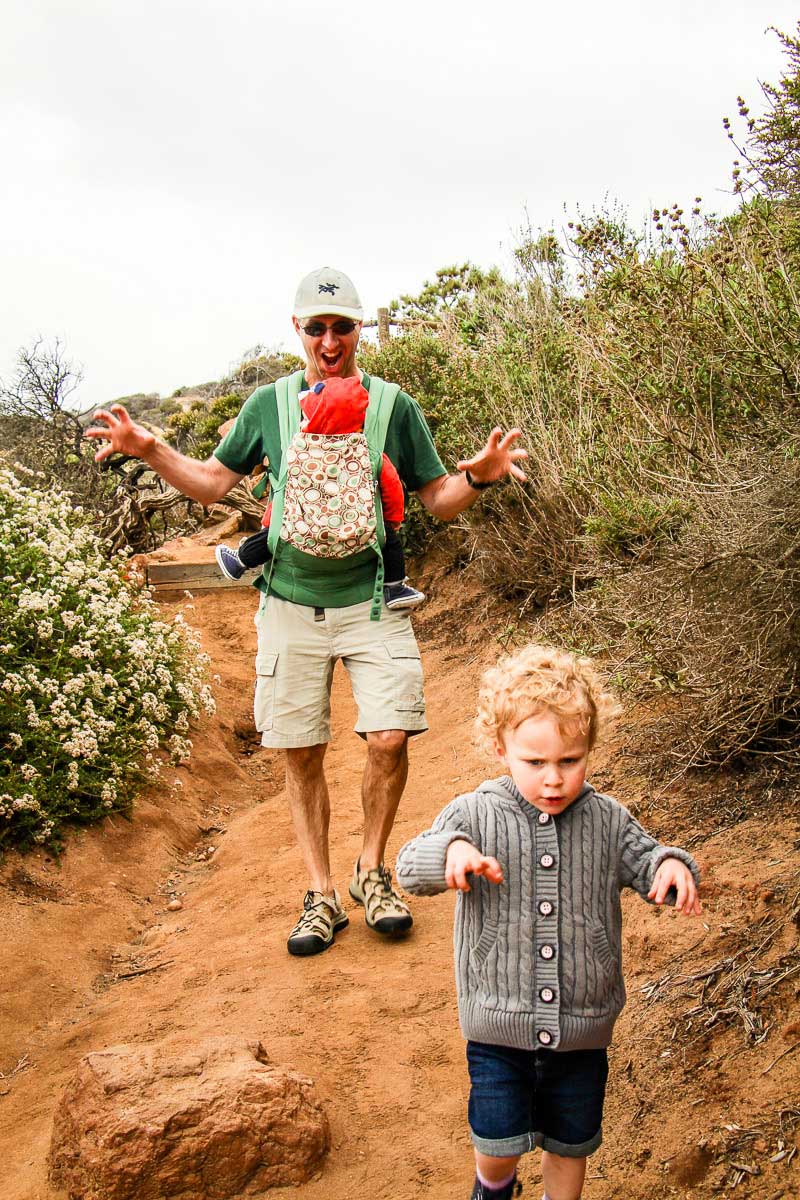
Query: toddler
(339, 406)
(538, 858)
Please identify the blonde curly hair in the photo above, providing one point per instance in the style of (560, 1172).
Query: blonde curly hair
(539, 680)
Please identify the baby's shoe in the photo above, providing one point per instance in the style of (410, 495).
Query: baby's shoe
(229, 562)
(401, 595)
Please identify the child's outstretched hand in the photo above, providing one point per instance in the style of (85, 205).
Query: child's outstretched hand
(674, 873)
(465, 859)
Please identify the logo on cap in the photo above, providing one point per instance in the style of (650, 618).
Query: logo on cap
(330, 288)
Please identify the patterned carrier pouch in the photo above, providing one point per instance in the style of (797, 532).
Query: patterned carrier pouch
(329, 495)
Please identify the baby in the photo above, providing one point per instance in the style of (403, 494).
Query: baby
(538, 858)
(339, 406)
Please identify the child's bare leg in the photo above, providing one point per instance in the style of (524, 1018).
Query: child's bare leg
(562, 1177)
(495, 1171)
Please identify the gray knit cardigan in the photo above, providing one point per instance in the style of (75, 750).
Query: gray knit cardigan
(538, 958)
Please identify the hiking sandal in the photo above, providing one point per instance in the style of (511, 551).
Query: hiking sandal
(384, 910)
(322, 918)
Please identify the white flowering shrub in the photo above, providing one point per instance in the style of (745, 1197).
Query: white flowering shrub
(92, 682)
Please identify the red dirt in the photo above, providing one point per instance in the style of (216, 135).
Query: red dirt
(374, 1024)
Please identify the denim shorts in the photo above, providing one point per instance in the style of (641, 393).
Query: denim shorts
(521, 1099)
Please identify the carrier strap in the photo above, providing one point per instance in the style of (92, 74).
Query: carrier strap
(287, 390)
(382, 396)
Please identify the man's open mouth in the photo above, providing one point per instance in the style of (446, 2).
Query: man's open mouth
(332, 361)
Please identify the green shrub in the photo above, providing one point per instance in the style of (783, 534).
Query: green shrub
(92, 682)
(259, 367)
(196, 431)
(622, 524)
(440, 372)
(634, 379)
(716, 618)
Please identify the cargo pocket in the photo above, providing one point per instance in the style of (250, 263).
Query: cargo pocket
(408, 693)
(264, 703)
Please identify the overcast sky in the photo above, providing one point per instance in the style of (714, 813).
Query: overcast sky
(171, 169)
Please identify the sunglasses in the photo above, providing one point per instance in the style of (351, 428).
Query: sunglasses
(316, 329)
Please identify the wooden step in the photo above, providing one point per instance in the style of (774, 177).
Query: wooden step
(193, 577)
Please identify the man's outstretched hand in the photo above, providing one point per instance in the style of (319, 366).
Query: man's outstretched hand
(498, 458)
(122, 434)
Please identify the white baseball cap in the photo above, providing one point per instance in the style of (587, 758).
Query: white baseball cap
(328, 291)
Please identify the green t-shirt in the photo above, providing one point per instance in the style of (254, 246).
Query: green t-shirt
(303, 578)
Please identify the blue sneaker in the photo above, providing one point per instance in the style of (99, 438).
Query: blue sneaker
(229, 562)
(401, 595)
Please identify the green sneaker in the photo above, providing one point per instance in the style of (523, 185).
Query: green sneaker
(385, 912)
(322, 917)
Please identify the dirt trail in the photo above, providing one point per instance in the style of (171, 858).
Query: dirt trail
(91, 958)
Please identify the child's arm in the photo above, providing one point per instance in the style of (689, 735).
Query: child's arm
(421, 865)
(660, 874)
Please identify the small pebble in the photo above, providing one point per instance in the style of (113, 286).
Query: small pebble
(174, 906)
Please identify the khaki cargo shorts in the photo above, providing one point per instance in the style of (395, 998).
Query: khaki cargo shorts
(297, 651)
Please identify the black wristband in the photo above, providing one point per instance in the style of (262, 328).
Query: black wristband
(479, 487)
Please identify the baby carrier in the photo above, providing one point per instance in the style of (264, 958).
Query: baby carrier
(325, 495)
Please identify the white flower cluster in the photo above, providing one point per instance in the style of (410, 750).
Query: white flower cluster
(92, 682)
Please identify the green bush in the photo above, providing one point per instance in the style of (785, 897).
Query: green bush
(634, 378)
(196, 431)
(621, 524)
(92, 682)
(440, 372)
(716, 618)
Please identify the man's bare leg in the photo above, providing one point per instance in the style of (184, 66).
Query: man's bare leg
(309, 803)
(384, 779)
(307, 791)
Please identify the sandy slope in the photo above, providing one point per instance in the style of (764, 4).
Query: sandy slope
(374, 1023)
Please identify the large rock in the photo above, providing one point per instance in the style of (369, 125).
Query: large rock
(213, 1122)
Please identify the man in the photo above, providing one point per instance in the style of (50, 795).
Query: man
(313, 616)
